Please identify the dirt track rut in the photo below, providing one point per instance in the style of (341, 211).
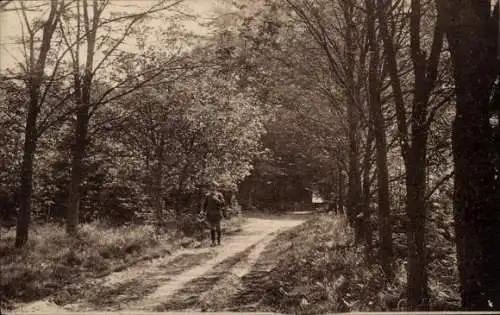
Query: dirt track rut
(188, 279)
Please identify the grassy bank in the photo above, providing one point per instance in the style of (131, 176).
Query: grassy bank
(320, 270)
(51, 261)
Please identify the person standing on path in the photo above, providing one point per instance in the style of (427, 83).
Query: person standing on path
(214, 210)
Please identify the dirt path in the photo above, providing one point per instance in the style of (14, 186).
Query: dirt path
(173, 282)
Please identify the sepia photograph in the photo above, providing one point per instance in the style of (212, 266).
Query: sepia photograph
(240, 157)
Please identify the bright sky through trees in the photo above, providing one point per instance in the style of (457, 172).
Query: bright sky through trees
(10, 25)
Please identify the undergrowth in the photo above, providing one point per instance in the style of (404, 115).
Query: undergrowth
(321, 270)
(50, 260)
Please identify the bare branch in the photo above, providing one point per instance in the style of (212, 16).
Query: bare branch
(392, 68)
(49, 121)
(103, 100)
(440, 183)
(434, 109)
(25, 18)
(117, 44)
(436, 49)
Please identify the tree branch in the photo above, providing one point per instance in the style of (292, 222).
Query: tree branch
(439, 184)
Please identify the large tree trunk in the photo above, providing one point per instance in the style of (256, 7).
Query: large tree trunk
(416, 184)
(418, 294)
(35, 73)
(377, 117)
(354, 174)
(30, 140)
(476, 216)
(472, 34)
(82, 119)
(79, 145)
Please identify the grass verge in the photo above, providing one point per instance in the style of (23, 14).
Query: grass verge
(51, 261)
(320, 270)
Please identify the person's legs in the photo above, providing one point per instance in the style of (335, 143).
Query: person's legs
(219, 232)
(212, 232)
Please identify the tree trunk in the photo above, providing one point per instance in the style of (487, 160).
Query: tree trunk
(79, 146)
(377, 117)
(36, 68)
(418, 294)
(26, 191)
(366, 222)
(179, 197)
(476, 218)
(384, 210)
(158, 185)
(83, 102)
(414, 144)
(472, 34)
(416, 184)
(250, 196)
(354, 174)
(340, 190)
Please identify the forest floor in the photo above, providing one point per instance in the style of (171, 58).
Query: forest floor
(201, 278)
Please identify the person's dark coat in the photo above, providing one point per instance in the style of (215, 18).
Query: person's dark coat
(214, 207)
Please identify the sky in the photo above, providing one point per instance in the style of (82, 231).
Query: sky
(10, 25)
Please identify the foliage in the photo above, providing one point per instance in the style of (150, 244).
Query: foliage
(12, 98)
(210, 128)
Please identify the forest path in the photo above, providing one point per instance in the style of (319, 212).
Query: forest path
(170, 282)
